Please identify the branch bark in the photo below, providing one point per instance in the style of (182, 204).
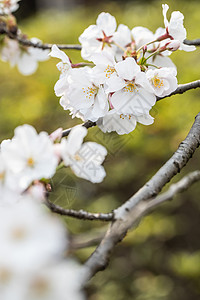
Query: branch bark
(79, 214)
(195, 42)
(130, 212)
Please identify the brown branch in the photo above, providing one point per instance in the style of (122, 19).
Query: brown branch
(195, 42)
(26, 42)
(129, 213)
(79, 214)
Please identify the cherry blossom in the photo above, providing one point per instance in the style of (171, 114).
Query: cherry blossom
(104, 66)
(26, 58)
(130, 89)
(98, 38)
(30, 237)
(29, 155)
(86, 95)
(175, 28)
(122, 124)
(55, 281)
(163, 81)
(85, 159)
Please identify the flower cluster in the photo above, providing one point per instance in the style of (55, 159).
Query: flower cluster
(32, 264)
(128, 69)
(33, 242)
(29, 158)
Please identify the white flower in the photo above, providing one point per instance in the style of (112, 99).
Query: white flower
(97, 38)
(86, 95)
(130, 89)
(26, 58)
(30, 237)
(64, 67)
(122, 124)
(84, 159)
(175, 27)
(8, 6)
(61, 281)
(163, 81)
(105, 66)
(29, 155)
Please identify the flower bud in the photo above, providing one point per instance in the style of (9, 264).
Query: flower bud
(173, 45)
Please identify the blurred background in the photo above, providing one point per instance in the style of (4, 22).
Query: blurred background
(160, 260)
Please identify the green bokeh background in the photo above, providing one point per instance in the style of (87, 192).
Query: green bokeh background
(160, 260)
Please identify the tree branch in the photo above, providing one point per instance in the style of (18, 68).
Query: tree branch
(174, 189)
(79, 214)
(130, 212)
(195, 42)
(26, 42)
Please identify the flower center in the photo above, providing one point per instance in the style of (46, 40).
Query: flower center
(109, 71)
(157, 82)
(30, 162)
(5, 275)
(18, 234)
(2, 175)
(40, 286)
(90, 92)
(130, 87)
(122, 116)
(77, 157)
(106, 40)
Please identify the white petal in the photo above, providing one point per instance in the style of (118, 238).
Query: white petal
(128, 68)
(114, 83)
(165, 9)
(56, 52)
(26, 65)
(107, 23)
(75, 139)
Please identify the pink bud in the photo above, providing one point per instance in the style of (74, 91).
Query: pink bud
(173, 45)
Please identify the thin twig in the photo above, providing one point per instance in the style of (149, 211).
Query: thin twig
(87, 125)
(79, 214)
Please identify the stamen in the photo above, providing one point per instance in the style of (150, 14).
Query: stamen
(157, 82)
(109, 71)
(90, 92)
(130, 87)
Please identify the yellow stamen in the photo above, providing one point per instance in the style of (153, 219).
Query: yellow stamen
(90, 92)
(109, 71)
(130, 87)
(157, 82)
